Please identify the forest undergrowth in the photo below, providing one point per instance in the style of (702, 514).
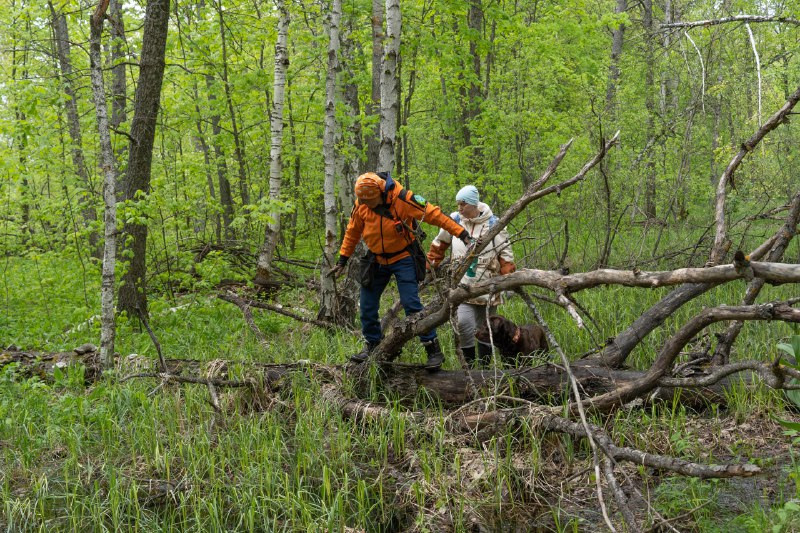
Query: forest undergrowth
(146, 456)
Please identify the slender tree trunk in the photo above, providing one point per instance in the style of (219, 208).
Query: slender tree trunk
(108, 163)
(61, 32)
(389, 87)
(202, 146)
(406, 112)
(221, 163)
(374, 104)
(473, 103)
(295, 168)
(327, 309)
(132, 291)
(348, 288)
(649, 102)
(352, 166)
(617, 39)
(21, 138)
(119, 94)
(273, 230)
(237, 142)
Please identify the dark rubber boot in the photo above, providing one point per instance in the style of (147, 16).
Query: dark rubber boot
(469, 355)
(435, 355)
(363, 355)
(484, 354)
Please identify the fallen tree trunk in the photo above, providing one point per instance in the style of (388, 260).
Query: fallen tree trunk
(546, 384)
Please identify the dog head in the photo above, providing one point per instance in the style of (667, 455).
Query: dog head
(502, 334)
(511, 339)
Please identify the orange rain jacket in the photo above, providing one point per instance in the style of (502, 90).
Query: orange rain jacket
(387, 237)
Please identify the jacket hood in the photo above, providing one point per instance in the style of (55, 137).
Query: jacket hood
(484, 214)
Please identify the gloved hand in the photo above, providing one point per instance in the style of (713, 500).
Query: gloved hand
(507, 267)
(338, 268)
(436, 254)
(466, 238)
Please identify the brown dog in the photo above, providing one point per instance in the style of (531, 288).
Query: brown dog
(511, 339)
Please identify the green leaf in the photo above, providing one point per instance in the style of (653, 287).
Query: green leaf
(792, 426)
(793, 394)
(787, 348)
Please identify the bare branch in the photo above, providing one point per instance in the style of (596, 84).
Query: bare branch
(721, 242)
(672, 348)
(726, 20)
(230, 297)
(773, 375)
(777, 247)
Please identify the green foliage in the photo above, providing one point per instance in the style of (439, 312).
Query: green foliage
(490, 104)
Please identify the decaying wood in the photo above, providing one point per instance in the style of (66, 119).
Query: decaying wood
(781, 241)
(437, 312)
(681, 338)
(543, 419)
(617, 350)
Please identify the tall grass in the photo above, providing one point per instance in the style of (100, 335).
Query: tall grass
(135, 456)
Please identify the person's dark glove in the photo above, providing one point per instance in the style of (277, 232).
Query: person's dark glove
(338, 268)
(466, 238)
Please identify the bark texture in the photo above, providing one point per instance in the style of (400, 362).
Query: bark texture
(136, 185)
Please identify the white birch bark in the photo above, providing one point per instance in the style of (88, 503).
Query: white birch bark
(107, 321)
(273, 230)
(389, 87)
(328, 307)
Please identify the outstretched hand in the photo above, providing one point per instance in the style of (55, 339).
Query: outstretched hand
(337, 271)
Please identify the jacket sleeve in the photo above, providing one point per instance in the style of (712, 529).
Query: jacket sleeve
(355, 227)
(434, 216)
(425, 211)
(506, 253)
(436, 253)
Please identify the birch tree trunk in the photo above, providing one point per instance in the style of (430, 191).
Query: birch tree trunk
(389, 87)
(132, 291)
(108, 163)
(273, 230)
(328, 305)
(61, 32)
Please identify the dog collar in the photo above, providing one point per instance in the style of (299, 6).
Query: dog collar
(515, 338)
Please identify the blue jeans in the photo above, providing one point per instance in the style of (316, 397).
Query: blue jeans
(406, 278)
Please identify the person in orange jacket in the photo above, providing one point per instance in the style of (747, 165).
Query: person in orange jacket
(497, 259)
(385, 216)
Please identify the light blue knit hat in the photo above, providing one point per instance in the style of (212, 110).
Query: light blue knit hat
(468, 194)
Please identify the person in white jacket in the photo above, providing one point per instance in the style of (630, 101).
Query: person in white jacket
(496, 259)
